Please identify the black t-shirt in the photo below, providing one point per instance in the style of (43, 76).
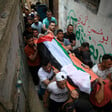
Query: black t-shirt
(85, 57)
(78, 53)
(71, 37)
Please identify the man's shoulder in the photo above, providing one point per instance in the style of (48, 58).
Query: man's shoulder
(53, 18)
(65, 35)
(52, 84)
(95, 68)
(33, 25)
(45, 19)
(40, 22)
(76, 50)
(40, 70)
(26, 48)
(72, 36)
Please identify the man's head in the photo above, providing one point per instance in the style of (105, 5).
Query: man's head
(36, 19)
(49, 14)
(52, 26)
(61, 80)
(29, 40)
(107, 61)
(46, 64)
(60, 34)
(85, 46)
(29, 20)
(26, 11)
(28, 28)
(35, 32)
(70, 29)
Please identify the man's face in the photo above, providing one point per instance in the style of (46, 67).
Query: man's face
(36, 20)
(107, 63)
(60, 36)
(35, 33)
(47, 68)
(52, 27)
(29, 29)
(85, 49)
(61, 84)
(70, 29)
(30, 21)
(30, 42)
(49, 15)
(26, 12)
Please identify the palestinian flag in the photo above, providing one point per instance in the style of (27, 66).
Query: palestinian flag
(81, 76)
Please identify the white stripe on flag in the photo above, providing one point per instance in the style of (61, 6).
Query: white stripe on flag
(57, 52)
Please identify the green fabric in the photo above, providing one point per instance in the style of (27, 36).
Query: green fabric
(68, 55)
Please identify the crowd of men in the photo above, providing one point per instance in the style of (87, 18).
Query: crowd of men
(50, 83)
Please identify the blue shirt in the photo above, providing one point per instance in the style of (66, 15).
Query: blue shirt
(39, 26)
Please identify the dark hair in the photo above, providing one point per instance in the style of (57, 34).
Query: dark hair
(48, 11)
(27, 26)
(45, 62)
(29, 36)
(38, 3)
(85, 44)
(69, 25)
(59, 30)
(25, 33)
(106, 57)
(33, 6)
(34, 29)
(51, 22)
(29, 18)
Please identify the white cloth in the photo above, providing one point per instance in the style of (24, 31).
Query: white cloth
(43, 75)
(80, 78)
(57, 52)
(101, 73)
(57, 94)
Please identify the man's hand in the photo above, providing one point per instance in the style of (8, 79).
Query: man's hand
(73, 43)
(100, 80)
(74, 94)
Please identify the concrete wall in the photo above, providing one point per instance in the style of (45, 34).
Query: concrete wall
(94, 28)
(12, 60)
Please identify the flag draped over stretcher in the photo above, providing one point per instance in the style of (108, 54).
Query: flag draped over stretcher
(78, 75)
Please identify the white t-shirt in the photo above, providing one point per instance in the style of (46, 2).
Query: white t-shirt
(101, 73)
(43, 75)
(57, 94)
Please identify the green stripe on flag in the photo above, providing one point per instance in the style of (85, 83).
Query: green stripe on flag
(66, 53)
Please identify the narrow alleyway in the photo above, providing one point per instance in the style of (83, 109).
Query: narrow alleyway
(76, 41)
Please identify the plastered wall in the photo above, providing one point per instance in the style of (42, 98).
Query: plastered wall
(93, 28)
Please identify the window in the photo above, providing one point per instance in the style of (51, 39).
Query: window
(92, 5)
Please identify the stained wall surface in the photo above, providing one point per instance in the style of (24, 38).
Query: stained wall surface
(95, 28)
